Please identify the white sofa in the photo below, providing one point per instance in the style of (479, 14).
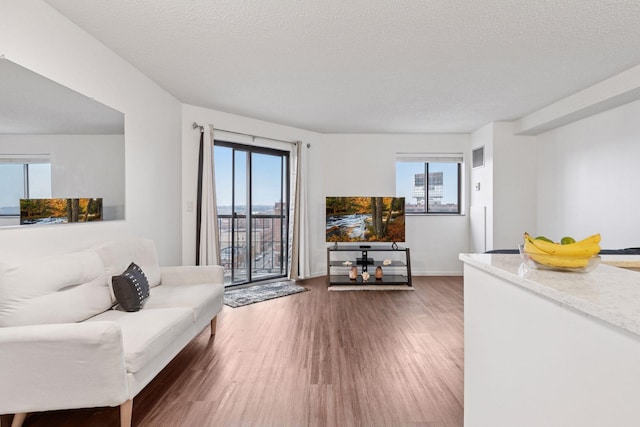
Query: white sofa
(63, 346)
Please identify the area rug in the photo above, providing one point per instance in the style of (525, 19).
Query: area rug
(371, 288)
(257, 293)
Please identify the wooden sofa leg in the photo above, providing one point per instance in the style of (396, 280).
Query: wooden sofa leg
(126, 410)
(213, 326)
(18, 419)
(5, 420)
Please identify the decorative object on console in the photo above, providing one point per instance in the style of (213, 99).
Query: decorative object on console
(353, 273)
(365, 276)
(379, 273)
(131, 288)
(56, 211)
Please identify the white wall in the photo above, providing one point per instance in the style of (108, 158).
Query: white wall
(39, 38)
(588, 175)
(515, 186)
(507, 188)
(481, 200)
(354, 165)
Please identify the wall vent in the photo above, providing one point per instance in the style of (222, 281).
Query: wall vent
(478, 157)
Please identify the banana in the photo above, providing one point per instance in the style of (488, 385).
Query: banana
(530, 248)
(584, 248)
(560, 261)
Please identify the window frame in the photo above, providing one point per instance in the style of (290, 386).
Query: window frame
(426, 159)
(24, 161)
(249, 150)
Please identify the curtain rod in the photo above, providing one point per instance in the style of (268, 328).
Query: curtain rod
(197, 126)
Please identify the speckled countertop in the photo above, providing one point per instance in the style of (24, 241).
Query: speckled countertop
(625, 261)
(608, 293)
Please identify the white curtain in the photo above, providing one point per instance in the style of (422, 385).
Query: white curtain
(299, 265)
(208, 250)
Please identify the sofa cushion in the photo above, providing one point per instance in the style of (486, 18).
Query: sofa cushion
(146, 333)
(118, 254)
(204, 299)
(55, 289)
(131, 288)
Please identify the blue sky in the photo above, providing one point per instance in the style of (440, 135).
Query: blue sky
(265, 174)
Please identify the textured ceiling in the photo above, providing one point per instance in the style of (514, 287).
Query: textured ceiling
(369, 66)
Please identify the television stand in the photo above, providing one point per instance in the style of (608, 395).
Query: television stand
(395, 264)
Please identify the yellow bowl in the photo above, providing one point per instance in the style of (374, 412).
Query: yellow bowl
(557, 262)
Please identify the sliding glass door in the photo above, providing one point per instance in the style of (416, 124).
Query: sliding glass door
(252, 195)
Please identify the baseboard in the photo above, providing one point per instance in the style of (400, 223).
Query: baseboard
(436, 273)
(314, 275)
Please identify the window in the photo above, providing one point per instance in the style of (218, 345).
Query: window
(252, 187)
(22, 179)
(430, 184)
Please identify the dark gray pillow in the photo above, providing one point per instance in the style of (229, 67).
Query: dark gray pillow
(131, 288)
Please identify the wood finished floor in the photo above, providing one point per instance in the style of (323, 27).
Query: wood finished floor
(318, 358)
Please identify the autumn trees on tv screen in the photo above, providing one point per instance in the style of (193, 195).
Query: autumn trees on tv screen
(381, 217)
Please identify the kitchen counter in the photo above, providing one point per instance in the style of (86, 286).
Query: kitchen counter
(607, 293)
(623, 261)
(547, 348)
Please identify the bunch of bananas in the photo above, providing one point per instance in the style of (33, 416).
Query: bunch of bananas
(572, 255)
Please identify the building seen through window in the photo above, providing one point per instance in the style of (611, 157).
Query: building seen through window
(438, 193)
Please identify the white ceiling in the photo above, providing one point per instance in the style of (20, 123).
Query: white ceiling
(369, 66)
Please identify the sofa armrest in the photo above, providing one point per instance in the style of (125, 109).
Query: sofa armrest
(191, 275)
(61, 366)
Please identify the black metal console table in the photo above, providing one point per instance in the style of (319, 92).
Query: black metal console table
(395, 262)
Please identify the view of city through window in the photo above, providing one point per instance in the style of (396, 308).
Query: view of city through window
(439, 193)
(254, 240)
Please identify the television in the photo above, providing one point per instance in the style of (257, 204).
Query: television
(365, 219)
